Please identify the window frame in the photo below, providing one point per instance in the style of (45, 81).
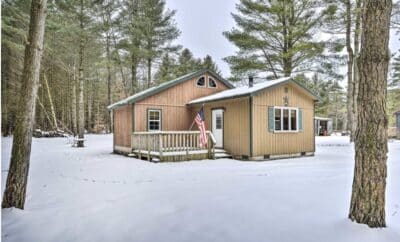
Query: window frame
(289, 119)
(205, 82)
(159, 120)
(208, 83)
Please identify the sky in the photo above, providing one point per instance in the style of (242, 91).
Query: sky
(202, 23)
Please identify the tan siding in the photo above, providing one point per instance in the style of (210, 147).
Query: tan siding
(236, 124)
(123, 126)
(266, 142)
(172, 102)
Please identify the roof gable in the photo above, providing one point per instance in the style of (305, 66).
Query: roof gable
(251, 91)
(166, 85)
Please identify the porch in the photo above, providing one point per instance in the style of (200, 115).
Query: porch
(174, 146)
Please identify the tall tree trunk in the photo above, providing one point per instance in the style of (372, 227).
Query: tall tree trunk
(73, 103)
(134, 74)
(17, 179)
(53, 112)
(369, 184)
(81, 111)
(108, 82)
(89, 100)
(149, 72)
(357, 32)
(121, 70)
(107, 24)
(350, 63)
(5, 83)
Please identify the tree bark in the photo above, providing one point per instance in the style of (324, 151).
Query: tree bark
(350, 63)
(107, 25)
(5, 83)
(149, 60)
(121, 70)
(369, 184)
(17, 179)
(109, 82)
(53, 112)
(73, 104)
(133, 74)
(357, 32)
(81, 111)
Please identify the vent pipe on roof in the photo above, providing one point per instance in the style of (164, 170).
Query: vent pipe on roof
(251, 81)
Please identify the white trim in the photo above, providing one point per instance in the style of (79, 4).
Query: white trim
(159, 120)
(208, 82)
(289, 119)
(205, 81)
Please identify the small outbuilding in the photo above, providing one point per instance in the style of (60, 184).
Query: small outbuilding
(323, 126)
(273, 119)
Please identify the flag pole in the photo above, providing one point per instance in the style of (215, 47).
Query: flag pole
(191, 126)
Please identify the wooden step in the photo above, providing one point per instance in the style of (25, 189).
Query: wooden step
(222, 155)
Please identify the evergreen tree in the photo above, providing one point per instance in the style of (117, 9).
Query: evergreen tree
(129, 41)
(17, 179)
(276, 37)
(187, 63)
(208, 63)
(166, 70)
(14, 25)
(395, 77)
(367, 204)
(157, 30)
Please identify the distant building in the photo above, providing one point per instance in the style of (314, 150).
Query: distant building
(323, 126)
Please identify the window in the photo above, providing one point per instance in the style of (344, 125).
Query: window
(286, 119)
(218, 121)
(154, 120)
(293, 119)
(278, 120)
(212, 83)
(201, 82)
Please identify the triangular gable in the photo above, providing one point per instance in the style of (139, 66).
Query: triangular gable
(166, 85)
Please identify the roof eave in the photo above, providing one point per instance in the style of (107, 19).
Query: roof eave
(219, 99)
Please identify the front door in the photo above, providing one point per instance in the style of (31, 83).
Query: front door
(218, 126)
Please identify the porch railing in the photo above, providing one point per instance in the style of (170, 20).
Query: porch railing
(172, 141)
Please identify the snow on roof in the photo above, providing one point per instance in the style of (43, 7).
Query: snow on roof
(243, 91)
(321, 118)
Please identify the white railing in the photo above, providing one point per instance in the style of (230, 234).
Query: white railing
(172, 141)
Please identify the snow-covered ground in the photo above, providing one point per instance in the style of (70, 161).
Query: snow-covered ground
(90, 194)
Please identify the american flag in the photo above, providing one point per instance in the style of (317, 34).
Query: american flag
(201, 124)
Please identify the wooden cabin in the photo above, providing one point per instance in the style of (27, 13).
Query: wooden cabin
(269, 120)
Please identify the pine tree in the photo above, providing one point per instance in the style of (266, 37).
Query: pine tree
(187, 63)
(395, 77)
(17, 179)
(130, 40)
(166, 70)
(157, 30)
(276, 37)
(14, 25)
(208, 63)
(369, 184)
